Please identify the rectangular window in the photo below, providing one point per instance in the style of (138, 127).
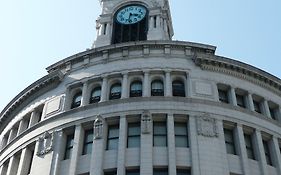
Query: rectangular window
(183, 172)
(133, 135)
(240, 100)
(88, 142)
(249, 146)
(223, 96)
(272, 113)
(113, 172)
(229, 141)
(158, 171)
(181, 136)
(69, 146)
(267, 152)
(159, 134)
(257, 106)
(113, 137)
(133, 172)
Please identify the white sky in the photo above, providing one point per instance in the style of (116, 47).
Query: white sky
(36, 33)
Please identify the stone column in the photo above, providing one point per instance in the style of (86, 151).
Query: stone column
(108, 27)
(151, 22)
(12, 135)
(171, 145)
(278, 114)
(258, 144)
(124, 93)
(68, 99)
(122, 146)
(276, 158)
(266, 108)
(34, 118)
(22, 126)
(77, 146)
(57, 153)
(241, 149)
(250, 103)
(85, 96)
(188, 85)
(168, 84)
(104, 89)
(158, 22)
(146, 151)
(13, 166)
(146, 85)
(24, 162)
(98, 149)
(192, 135)
(233, 99)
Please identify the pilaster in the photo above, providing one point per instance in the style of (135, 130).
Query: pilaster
(171, 145)
(57, 153)
(276, 154)
(194, 151)
(124, 93)
(188, 85)
(22, 126)
(77, 145)
(85, 96)
(13, 166)
(233, 99)
(241, 148)
(146, 85)
(250, 103)
(104, 89)
(34, 118)
(122, 146)
(168, 84)
(260, 152)
(266, 108)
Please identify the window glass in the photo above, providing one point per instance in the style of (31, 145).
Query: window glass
(113, 137)
(136, 89)
(157, 88)
(95, 95)
(76, 102)
(240, 100)
(183, 172)
(178, 88)
(181, 137)
(249, 146)
(134, 135)
(88, 142)
(257, 106)
(229, 141)
(267, 152)
(115, 91)
(160, 172)
(160, 134)
(132, 172)
(223, 96)
(69, 146)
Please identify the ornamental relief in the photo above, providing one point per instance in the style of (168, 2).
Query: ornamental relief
(45, 143)
(207, 126)
(98, 127)
(146, 123)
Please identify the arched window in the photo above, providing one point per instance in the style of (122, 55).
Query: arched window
(136, 89)
(95, 95)
(115, 91)
(76, 101)
(157, 88)
(178, 88)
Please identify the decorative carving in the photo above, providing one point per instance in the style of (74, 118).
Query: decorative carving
(98, 127)
(207, 126)
(146, 122)
(155, 3)
(45, 143)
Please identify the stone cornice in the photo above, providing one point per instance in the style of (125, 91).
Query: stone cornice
(104, 52)
(238, 69)
(49, 81)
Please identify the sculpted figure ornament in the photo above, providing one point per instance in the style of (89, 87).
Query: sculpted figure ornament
(45, 143)
(146, 122)
(207, 126)
(98, 127)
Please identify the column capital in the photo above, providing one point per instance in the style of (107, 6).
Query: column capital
(125, 73)
(146, 71)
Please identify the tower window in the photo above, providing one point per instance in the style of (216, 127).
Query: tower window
(240, 100)
(76, 101)
(229, 141)
(178, 88)
(115, 91)
(136, 89)
(88, 142)
(157, 88)
(159, 134)
(113, 137)
(181, 137)
(133, 135)
(223, 96)
(69, 146)
(95, 95)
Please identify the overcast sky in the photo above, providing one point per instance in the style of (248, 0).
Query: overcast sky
(37, 33)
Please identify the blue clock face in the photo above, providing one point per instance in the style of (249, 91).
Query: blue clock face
(131, 14)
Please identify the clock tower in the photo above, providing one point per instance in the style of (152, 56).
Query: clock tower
(131, 21)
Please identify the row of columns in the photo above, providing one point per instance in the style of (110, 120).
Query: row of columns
(24, 123)
(167, 81)
(250, 104)
(18, 164)
(98, 150)
(258, 150)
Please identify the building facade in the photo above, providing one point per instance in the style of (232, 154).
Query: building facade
(140, 103)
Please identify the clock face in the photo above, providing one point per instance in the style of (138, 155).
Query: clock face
(131, 14)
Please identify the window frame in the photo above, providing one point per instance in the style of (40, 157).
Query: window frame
(68, 146)
(111, 138)
(95, 99)
(74, 102)
(249, 147)
(177, 90)
(157, 92)
(133, 136)
(136, 93)
(181, 135)
(229, 143)
(115, 95)
(86, 142)
(160, 135)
